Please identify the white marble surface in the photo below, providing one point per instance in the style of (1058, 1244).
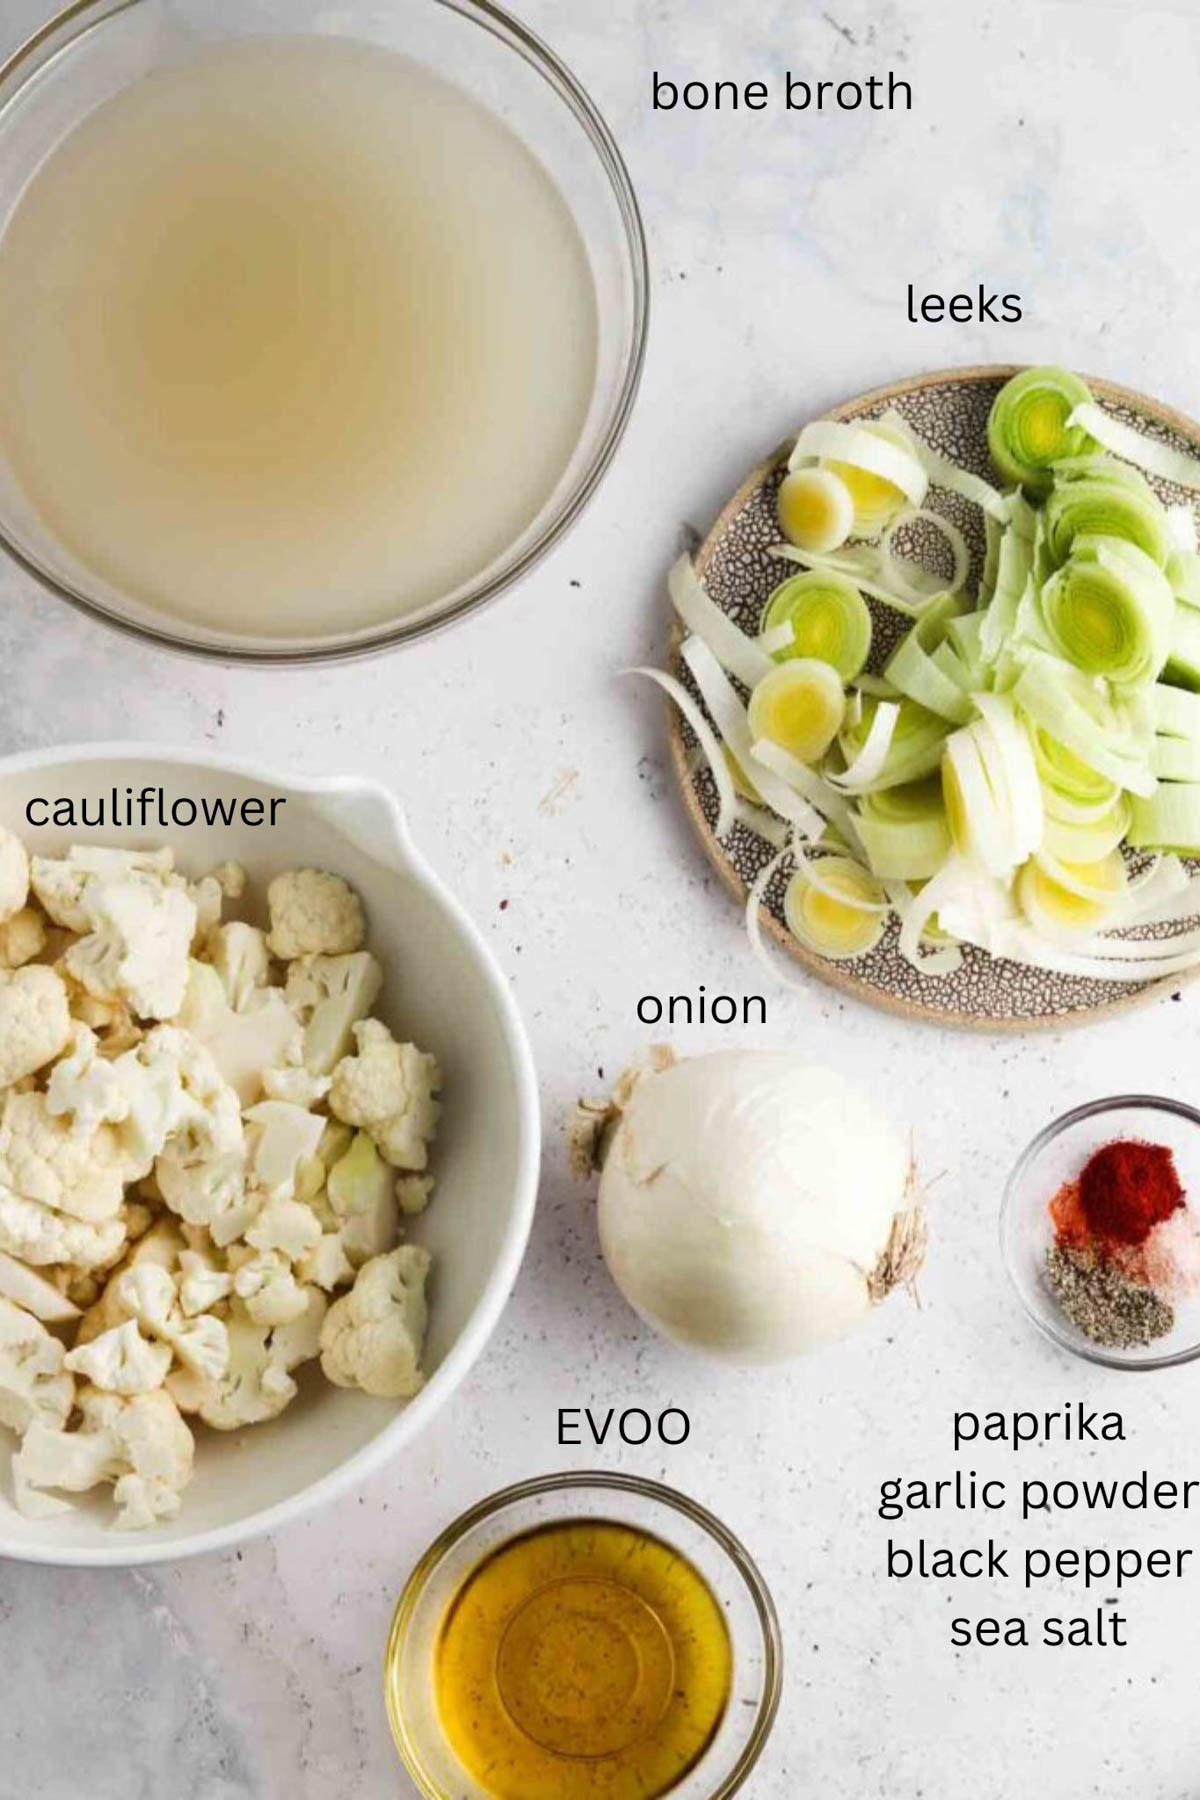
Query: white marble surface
(1049, 153)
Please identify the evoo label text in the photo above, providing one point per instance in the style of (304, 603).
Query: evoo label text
(150, 806)
(633, 1426)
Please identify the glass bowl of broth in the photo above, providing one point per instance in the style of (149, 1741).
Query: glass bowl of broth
(317, 328)
(583, 1637)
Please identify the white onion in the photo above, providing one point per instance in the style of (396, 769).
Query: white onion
(753, 1206)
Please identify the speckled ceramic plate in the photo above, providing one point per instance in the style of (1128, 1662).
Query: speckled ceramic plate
(950, 411)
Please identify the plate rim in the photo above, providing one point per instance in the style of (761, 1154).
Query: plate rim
(825, 970)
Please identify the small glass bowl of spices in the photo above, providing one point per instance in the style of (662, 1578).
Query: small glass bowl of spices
(583, 1637)
(1100, 1229)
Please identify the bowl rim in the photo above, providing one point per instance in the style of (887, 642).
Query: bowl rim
(510, 31)
(605, 1481)
(1093, 1353)
(129, 1551)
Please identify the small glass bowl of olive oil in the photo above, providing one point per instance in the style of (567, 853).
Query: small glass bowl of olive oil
(583, 1637)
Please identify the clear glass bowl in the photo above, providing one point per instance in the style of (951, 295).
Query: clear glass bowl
(645, 1506)
(1056, 1156)
(95, 48)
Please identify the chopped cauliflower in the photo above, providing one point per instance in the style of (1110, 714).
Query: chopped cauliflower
(140, 1443)
(22, 938)
(388, 1090)
(14, 875)
(136, 949)
(202, 1284)
(257, 1384)
(239, 954)
(269, 1290)
(281, 1137)
(326, 1265)
(195, 1159)
(43, 1159)
(285, 1225)
(121, 1360)
(313, 913)
(329, 995)
(34, 1383)
(35, 1020)
(362, 1192)
(34, 1293)
(36, 1234)
(265, 1035)
(62, 884)
(372, 1337)
(149, 1294)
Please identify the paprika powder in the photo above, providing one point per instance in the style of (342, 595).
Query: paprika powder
(1126, 1189)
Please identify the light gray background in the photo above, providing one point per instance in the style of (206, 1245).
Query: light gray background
(1051, 152)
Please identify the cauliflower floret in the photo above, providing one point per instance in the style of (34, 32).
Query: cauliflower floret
(297, 1086)
(31, 1291)
(149, 1295)
(35, 1020)
(265, 1035)
(329, 994)
(33, 1382)
(232, 879)
(111, 1020)
(280, 1138)
(62, 883)
(240, 957)
(141, 1443)
(254, 1387)
(326, 1265)
(202, 1284)
(43, 1159)
(372, 1337)
(313, 914)
(150, 1094)
(38, 1235)
(140, 934)
(387, 1089)
(14, 875)
(121, 1360)
(362, 1192)
(162, 1247)
(269, 1290)
(22, 938)
(413, 1192)
(285, 1225)
(208, 900)
(201, 1171)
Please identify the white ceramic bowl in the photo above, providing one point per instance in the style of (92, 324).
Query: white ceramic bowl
(444, 990)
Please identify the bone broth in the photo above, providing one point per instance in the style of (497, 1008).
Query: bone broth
(295, 338)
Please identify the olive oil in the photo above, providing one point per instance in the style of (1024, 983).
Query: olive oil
(582, 1661)
(295, 338)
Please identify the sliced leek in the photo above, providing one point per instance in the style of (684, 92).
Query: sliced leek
(799, 705)
(1168, 820)
(904, 831)
(865, 449)
(985, 784)
(829, 620)
(1109, 610)
(815, 509)
(835, 907)
(1034, 423)
(1061, 910)
(1183, 661)
(1109, 500)
(1148, 453)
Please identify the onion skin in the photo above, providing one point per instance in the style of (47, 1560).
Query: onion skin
(753, 1207)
